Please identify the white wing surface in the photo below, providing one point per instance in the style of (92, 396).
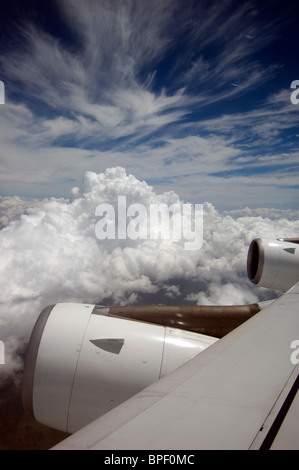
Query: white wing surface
(240, 393)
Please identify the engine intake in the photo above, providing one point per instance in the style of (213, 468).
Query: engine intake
(274, 263)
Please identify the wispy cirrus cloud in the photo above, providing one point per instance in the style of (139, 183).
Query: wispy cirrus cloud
(145, 86)
(109, 73)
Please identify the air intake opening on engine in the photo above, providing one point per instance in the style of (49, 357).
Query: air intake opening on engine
(255, 261)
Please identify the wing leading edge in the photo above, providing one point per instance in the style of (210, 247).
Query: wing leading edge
(240, 393)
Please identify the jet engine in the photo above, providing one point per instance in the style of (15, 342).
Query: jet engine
(274, 263)
(81, 362)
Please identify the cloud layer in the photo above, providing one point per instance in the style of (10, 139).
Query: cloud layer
(159, 101)
(50, 254)
(175, 92)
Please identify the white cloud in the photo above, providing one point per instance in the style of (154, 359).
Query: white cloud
(116, 91)
(51, 254)
(214, 167)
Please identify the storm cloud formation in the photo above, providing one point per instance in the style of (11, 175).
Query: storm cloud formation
(50, 254)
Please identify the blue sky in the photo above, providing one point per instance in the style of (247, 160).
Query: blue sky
(190, 96)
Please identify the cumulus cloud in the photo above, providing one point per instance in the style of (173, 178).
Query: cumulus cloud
(49, 254)
(11, 208)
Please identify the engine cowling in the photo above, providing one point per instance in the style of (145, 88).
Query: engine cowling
(274, 263)
(81, 363)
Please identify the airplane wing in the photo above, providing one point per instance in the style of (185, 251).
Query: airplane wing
(159, 381)
(239, 393)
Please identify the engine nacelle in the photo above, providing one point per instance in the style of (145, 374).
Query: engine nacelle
(81, 363)
(274, 263)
